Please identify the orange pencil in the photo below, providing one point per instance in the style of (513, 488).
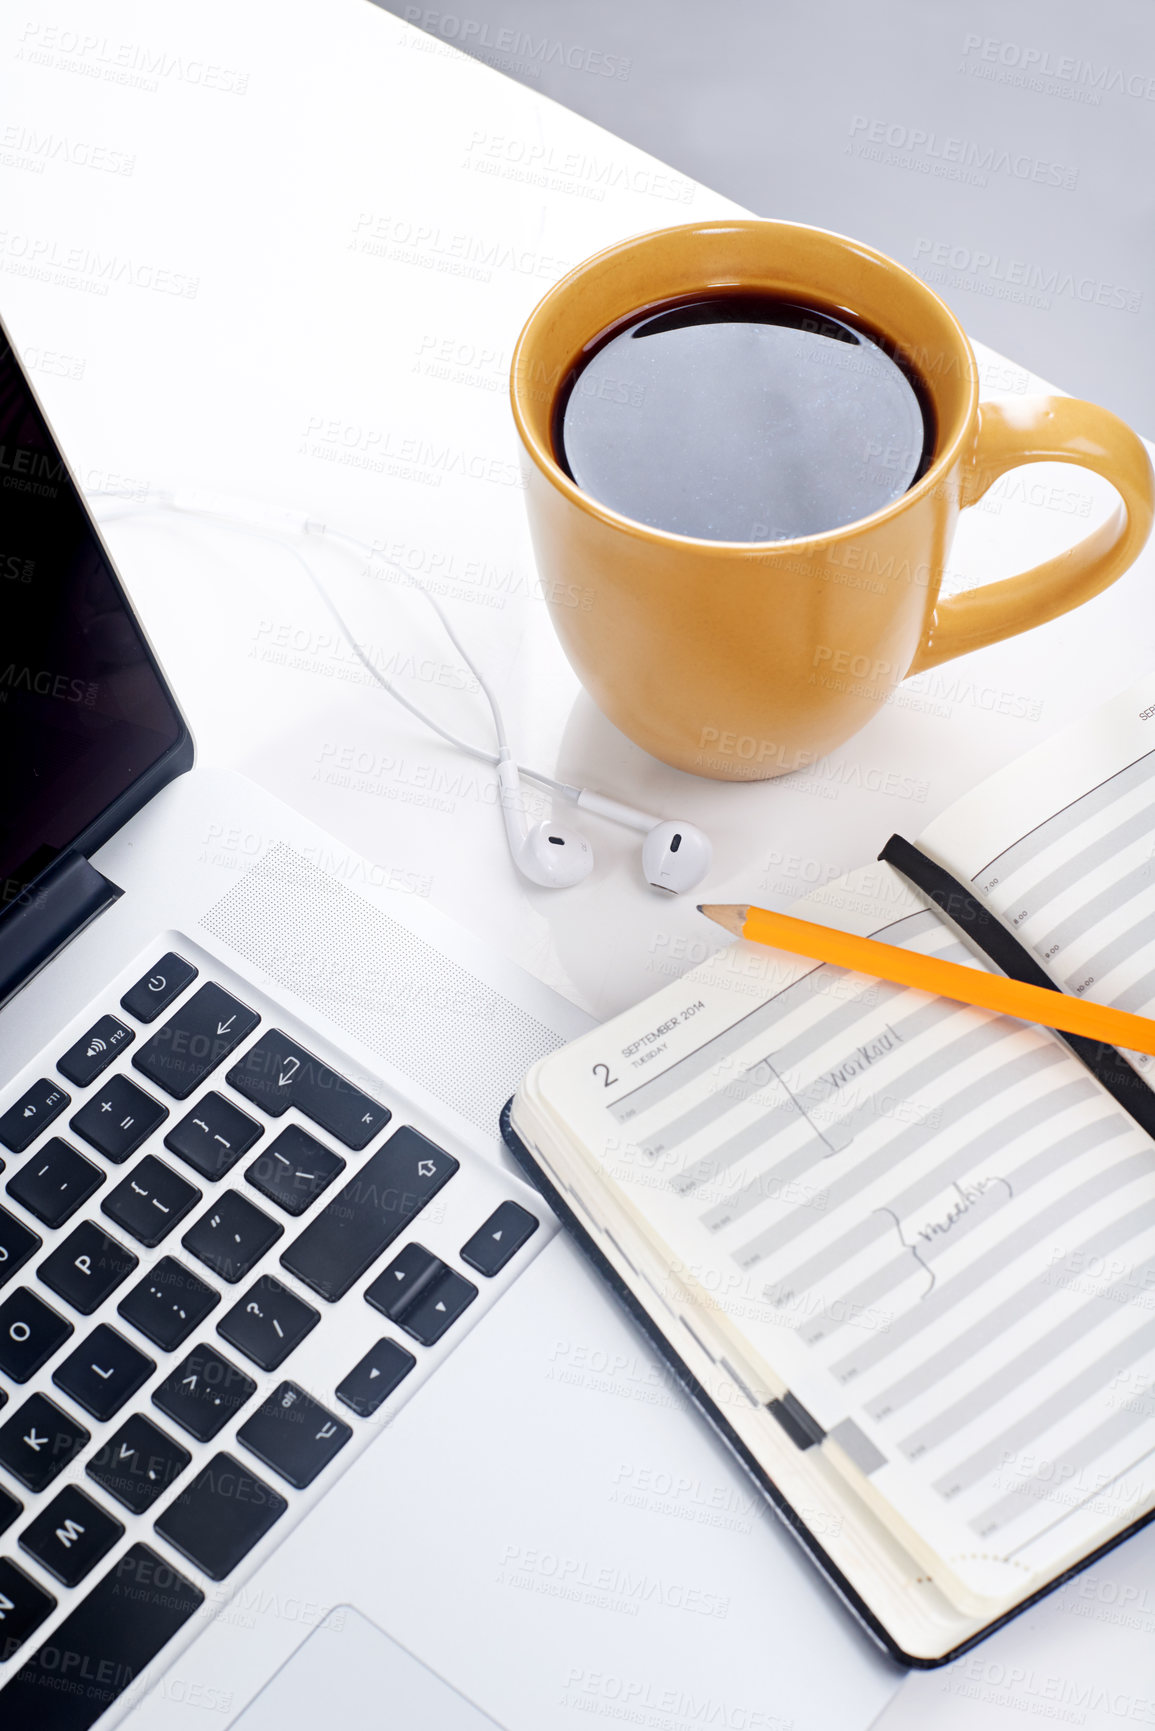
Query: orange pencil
(1053, 1009)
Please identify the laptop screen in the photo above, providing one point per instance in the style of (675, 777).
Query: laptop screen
(84, 712)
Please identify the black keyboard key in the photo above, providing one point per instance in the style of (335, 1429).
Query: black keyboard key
(54, 1183)
(17, 1243)
(103, 1372)
(439, 1305)
(33, 1112)
(94, 1051)
(364, 1217)
(507, 1229)
(150, 1201)
(213, 1136)
(71, 1535)
(397, 1286)
(23, 1607)
(30, 1332)
(220, 1516)
(118, 1118)
(294, 1435)
(87, 1267)
(105, 1643)
(168, 1304)
(375, 1377)
(294, 1169)
(138, 1464)
(203, 1393)
(156, 991)
(277, 1073)
(267, 1323)
(38, 1442)
(428, 1297)
(206, 1028)
(9, 1509)
(232, 1236)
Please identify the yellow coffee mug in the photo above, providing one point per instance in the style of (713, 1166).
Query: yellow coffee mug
(744, 660)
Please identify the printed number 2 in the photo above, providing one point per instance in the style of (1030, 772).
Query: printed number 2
(603, 1070)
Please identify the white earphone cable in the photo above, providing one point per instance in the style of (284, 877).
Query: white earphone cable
(169, 504)
(371, 553)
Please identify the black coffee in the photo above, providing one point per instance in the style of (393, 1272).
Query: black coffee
(743, 418)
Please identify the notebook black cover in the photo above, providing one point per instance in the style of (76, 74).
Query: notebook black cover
(716, 1418)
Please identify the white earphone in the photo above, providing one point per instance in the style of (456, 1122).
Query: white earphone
(548, 854)
(675, 856)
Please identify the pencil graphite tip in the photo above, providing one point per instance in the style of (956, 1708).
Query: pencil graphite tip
(730, 915)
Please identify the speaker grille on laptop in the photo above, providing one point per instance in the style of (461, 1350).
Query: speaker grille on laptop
(391, 990)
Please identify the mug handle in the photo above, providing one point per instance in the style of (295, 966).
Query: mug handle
(1045, 430)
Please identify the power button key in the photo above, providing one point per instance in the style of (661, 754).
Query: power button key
(156, 991)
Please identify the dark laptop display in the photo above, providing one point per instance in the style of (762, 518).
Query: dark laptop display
(88, 730)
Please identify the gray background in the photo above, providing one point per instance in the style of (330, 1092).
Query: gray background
(1006, 152)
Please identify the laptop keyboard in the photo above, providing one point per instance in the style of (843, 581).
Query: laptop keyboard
(210, 1298)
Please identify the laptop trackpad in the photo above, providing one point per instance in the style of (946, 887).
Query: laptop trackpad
(349, 1672)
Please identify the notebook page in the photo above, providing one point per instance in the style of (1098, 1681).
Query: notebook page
(1062, 845)
(867, 1188)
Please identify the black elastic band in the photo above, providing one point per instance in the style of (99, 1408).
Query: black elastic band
(989, 935)
(800, 1426)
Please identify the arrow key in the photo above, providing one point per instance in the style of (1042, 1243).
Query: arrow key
(405, 1279)
(437, 1306)
(375, 1377)
(421, 1294)
(137, 1465)
(502, 1236)
(195, 1040)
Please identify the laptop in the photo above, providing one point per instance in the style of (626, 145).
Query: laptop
(306, 1410)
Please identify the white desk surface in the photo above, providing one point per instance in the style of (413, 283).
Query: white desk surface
(283, 251)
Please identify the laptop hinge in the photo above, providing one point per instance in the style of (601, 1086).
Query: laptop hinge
(48, 915)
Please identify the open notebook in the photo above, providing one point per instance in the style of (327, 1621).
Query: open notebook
(902, 1251)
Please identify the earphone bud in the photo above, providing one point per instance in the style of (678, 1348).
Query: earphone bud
(676, 857)
(549, 854)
